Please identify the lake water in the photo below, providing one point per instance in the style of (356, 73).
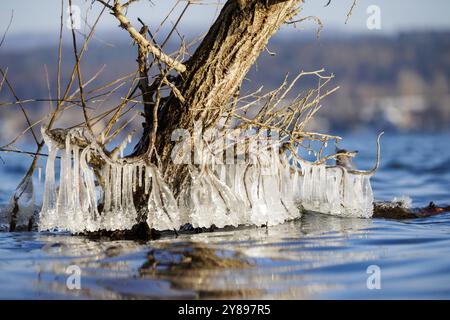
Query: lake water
(318, 256)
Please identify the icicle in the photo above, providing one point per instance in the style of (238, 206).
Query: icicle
(140, 167)
(47, 217)
(134, 178)
(75, 216)
(335, 191)
(163, 210)
(39, 174)
(147, 177)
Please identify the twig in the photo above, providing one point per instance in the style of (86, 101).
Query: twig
(350, 11)
(47, 80)
(21, 106)
(116, 10)
(25, 152)
(77, 61)
(58, 72)
(7, 28)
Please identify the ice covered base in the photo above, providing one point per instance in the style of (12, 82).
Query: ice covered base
(267, 192)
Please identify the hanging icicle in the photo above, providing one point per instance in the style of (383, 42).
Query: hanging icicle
(333, 190)
(267, 190)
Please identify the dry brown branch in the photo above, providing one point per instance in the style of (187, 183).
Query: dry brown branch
(288, 117)
(114, 118)
(73, 73)
(58, 71)
(25, 114)
(21, 134)
(7, 28)
(175, 90)
(77, 63)
(116, 10)
(350, 11)
(377, 164)
(30, 153)
(3, 80)
(47, 81)
(313, 18)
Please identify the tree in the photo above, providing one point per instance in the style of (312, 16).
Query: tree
(208, 80)
(205, 88)
(204, 84)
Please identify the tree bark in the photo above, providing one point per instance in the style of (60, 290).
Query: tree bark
(216, 70)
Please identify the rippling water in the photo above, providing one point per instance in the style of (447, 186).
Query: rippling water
(317, 256)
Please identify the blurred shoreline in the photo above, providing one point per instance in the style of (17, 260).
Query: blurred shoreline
(387, 82)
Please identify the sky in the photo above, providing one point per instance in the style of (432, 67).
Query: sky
(30, 16)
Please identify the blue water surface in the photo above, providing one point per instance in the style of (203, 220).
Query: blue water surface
(317, 256)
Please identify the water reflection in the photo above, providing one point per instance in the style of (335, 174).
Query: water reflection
(317, 256)
(292, 260)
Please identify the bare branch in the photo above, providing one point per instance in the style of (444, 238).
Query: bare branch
(116, 10)
(11, 89)
(77, 62)
(7, 28)
(350, 11)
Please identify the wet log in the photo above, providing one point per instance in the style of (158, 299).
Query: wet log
(398, 211)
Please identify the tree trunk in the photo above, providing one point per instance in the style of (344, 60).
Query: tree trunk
(216, 70)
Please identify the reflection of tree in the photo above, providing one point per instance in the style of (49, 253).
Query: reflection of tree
(257, 262)
(194, 266)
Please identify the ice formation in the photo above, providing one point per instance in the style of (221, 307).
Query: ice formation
(335, 191)
(22, 203)
(265, 191)
(74, 205)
